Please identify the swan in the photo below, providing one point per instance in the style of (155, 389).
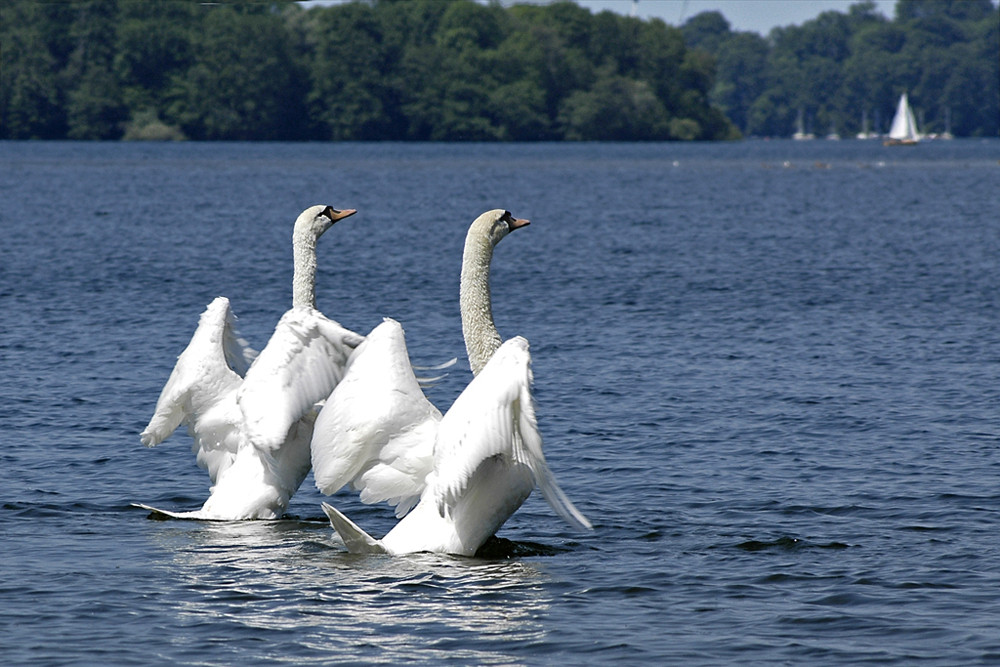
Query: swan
(251, 416)
(453, 479)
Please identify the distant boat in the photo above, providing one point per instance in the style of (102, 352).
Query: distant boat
(947, 135)
(864, 133)
(904, 126)
(833, 135)
(800, 132)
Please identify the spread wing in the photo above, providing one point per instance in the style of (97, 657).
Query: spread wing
(495, 418)
(201, 390)
(376, 430)
(301, 364)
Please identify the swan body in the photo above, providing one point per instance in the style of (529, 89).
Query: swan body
(464, 473)
(251, 415)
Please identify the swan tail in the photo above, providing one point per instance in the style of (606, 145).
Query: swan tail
(558, 500)
(157, 514)
(448, 364)
(355, 539)
(428, 382)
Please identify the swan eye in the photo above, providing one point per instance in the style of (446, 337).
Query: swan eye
(508, 220)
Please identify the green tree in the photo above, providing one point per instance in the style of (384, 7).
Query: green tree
(614, 42)
(153, 47)
(707, 31)
(741, 76)
(350, 96)
(615, 109)
(971, 94)
(94, 105)
(936, 10)
(245, 82)
(468, 28)
(372, 69)
(518, 111)
(32, 103)
(560, 59)
(869, 74)
(519, 99)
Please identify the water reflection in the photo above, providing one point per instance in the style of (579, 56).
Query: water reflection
(289, 583)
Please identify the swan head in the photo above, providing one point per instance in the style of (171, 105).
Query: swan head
(494, 225)
(315, 220)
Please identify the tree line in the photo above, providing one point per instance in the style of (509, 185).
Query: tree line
(430, 70)
(409, 70)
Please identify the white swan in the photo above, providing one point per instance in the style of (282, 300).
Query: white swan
(251, 416)
(468, 471)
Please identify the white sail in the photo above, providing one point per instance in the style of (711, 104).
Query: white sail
(904, 125)
(865, 133)
(800, 131)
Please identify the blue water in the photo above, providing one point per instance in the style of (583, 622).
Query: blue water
(767, 371)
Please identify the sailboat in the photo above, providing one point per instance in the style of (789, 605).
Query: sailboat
(800, 131)
(904, 126)
(947, 135)
(833, 135)
(865, 133)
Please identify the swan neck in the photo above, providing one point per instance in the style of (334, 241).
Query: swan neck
(481, 336)
(304, 269)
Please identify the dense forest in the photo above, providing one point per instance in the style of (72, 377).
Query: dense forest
(432, 70)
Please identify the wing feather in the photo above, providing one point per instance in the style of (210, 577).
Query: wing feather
(301, 364)
(376, 430)
(201, 390)
(495, 418)
(478, 426)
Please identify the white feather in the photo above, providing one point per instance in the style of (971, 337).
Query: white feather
(201, 391)
(302, 363)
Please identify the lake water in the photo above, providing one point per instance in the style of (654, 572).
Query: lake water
(768, 372)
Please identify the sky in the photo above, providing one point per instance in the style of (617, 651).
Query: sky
(743, 15)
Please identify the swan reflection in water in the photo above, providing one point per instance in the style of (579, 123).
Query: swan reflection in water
(288, 583)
